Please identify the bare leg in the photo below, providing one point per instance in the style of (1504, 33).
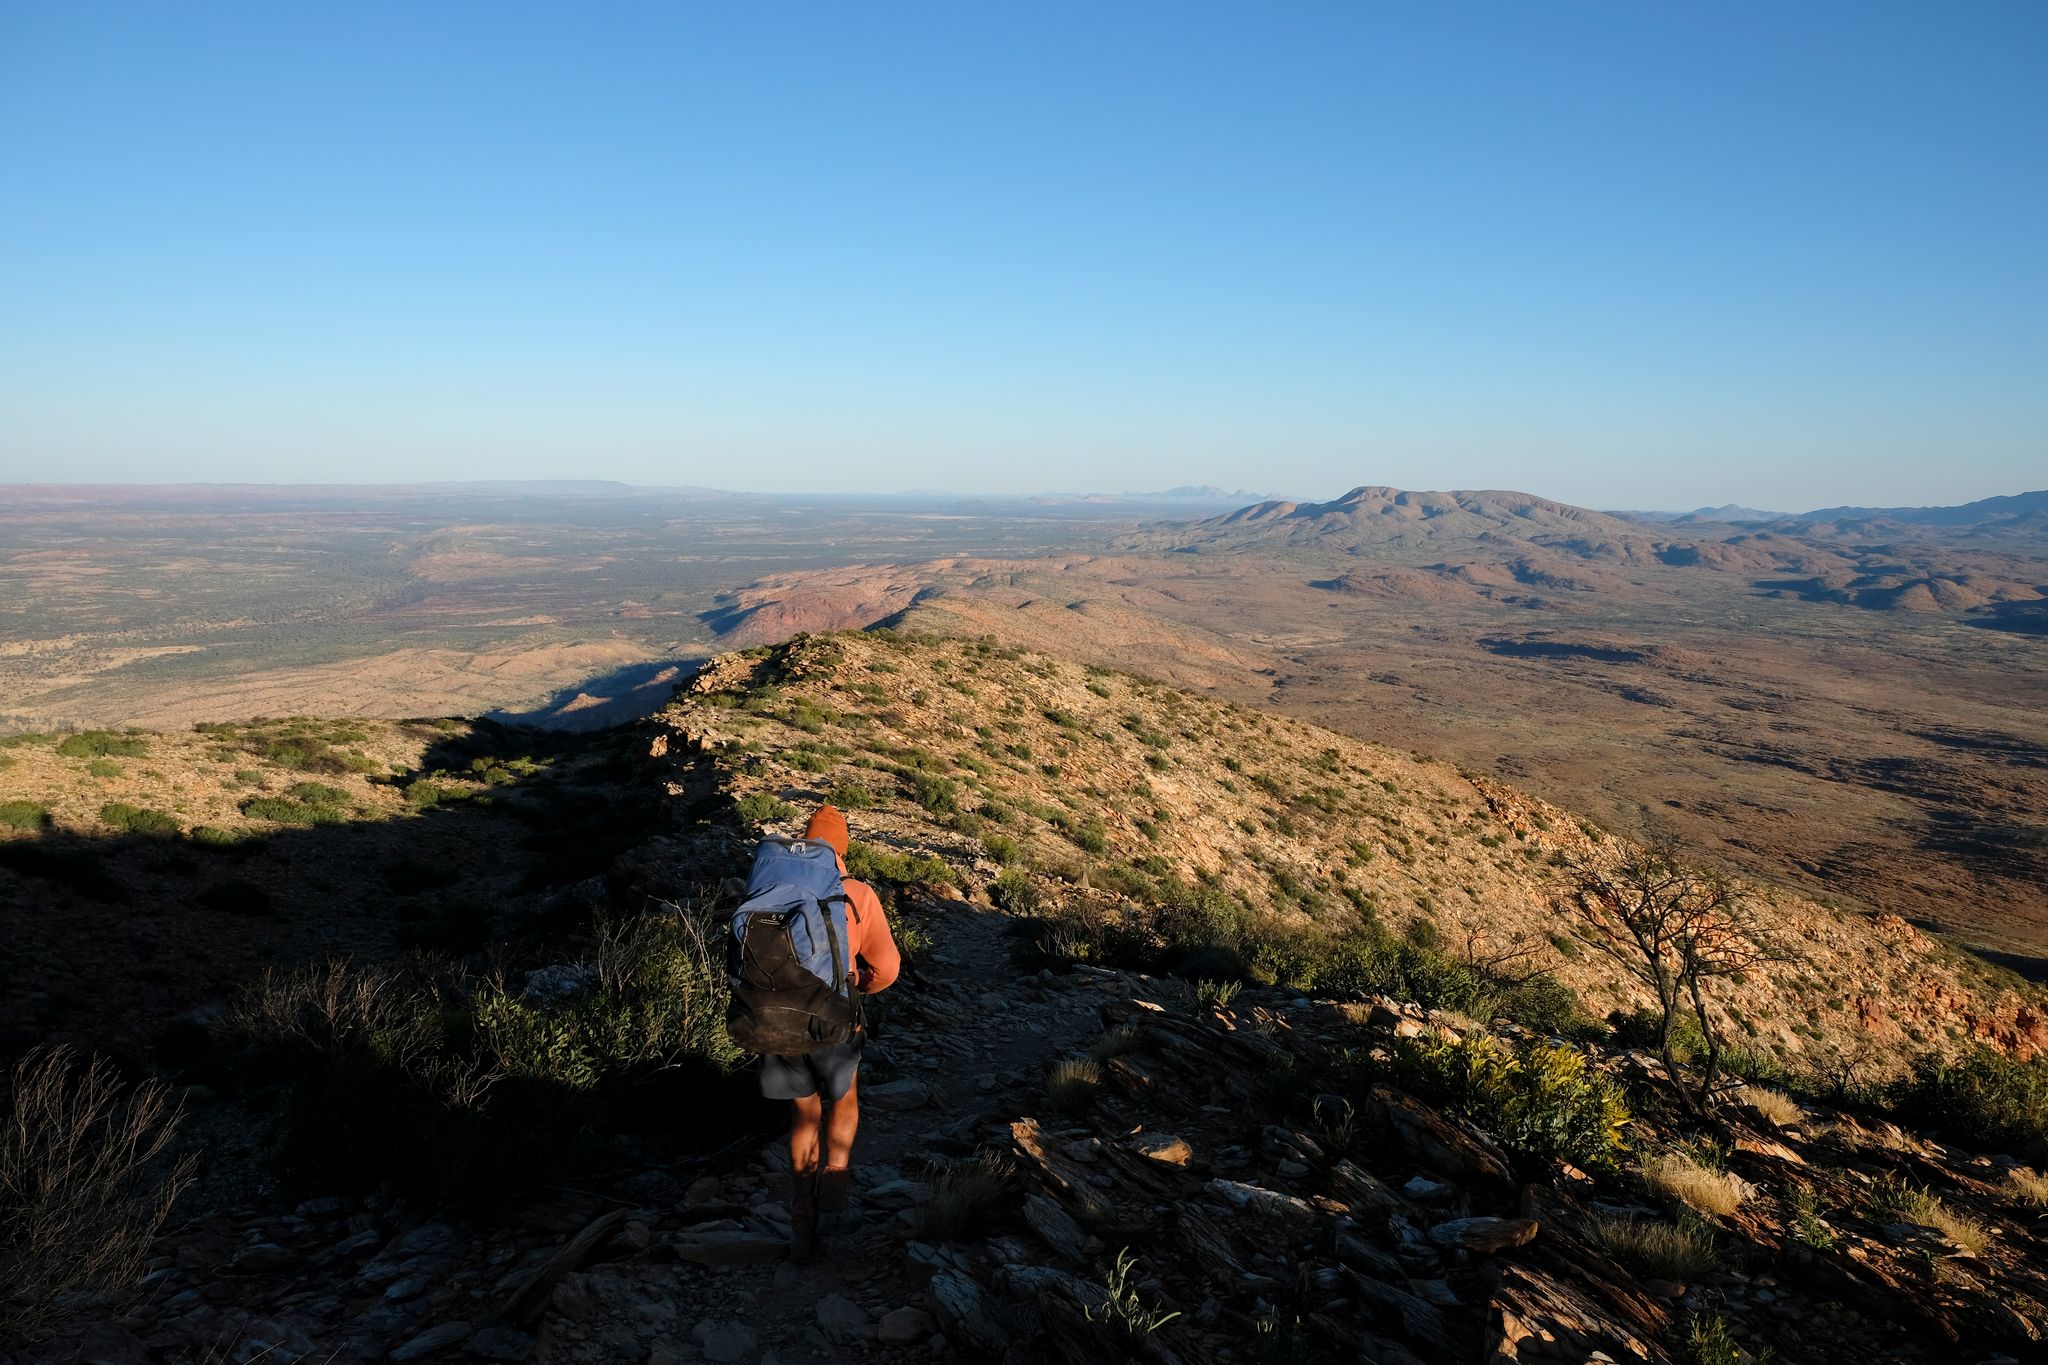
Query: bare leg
(840, 1126)
(805, 1120)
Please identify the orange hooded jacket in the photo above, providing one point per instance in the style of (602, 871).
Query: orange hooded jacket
(869, 942)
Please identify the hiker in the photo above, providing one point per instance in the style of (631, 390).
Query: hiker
(807, 943)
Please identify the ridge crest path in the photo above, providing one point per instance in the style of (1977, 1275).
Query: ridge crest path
(961, 1031)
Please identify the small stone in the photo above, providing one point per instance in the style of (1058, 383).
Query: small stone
(896, 1096)
(1423, 1190)
(407, 1287)
(432, 1340)
(1291, 1170)
(842, 1319)
(106, 1344)
(903, 1326)
(725, 1341)
(1664, 1289)
(897, 1194)
(502, 1343)
(732, 1246)
(1164, 1148)
(264, 1257)
(422, 1239)
(705, 1189)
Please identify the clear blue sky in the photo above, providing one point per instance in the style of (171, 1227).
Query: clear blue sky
(1626, 254)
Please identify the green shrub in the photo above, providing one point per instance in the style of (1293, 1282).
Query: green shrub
(851, 796)
(285, 811)
(1540, 1099)
(1086, 831)
(24, 814)
(761, 808)
(135, 820)
(1014, 890)
(1984, 1097)
(869, 864)
(1003, 849)
(103, 767)
(658, 997)
(102, 744)
(939, 795)
(214, 837)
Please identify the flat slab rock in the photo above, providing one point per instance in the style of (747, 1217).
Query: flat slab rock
(1164, 1148)
(1484, 1234)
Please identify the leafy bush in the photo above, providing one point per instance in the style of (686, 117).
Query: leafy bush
(136, 820)
(103, 767)
(1003, 849)
(423, 793)
(283, 810)
(762, 808)
(870, 864)
(851, 796)
(214, 837)
(102, 744)
(1540, 1099)
(659, 997)
(24, 814)
(1014, 891)
(1086, 831)
(84, 1186)
(454, 1095)
(939, 795)
(1983, 1096)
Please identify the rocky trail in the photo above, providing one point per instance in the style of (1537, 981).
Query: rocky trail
(1260, 1223)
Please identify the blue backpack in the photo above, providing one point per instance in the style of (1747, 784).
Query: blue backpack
(792, 973)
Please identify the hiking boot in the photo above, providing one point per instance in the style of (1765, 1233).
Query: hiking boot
(803, 1221)
(835, 1194)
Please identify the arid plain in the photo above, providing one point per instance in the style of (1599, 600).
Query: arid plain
(1852, 703)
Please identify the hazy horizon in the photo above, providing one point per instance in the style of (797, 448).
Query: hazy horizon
(1645, 258)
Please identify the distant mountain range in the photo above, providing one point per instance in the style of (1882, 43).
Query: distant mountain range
(2018, 510)
(1728, 511)
(2025, 513)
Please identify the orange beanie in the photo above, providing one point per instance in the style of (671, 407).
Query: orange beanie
(828, 826)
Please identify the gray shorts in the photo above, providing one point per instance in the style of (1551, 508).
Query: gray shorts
(829, 1069)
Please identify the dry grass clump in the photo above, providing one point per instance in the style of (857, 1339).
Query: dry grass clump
(965, 1198)
(1917, 1204)
(1118, 1042)
(325, 1012)
(83, 1186)
(2028, 1184)
(1680, 1175)
(1072, 1084)
(1774, 1106)
(1672, 1251)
